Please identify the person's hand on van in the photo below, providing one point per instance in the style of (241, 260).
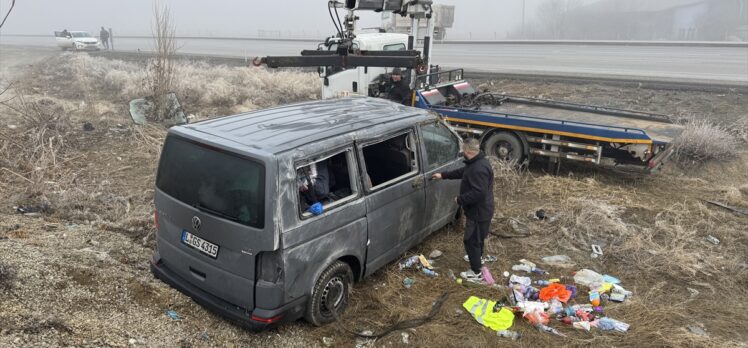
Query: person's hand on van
(436, 176)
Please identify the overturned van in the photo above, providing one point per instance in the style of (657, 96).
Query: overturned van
(270, 216)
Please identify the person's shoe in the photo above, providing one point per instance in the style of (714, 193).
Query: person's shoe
(472, 277)
(483, 259)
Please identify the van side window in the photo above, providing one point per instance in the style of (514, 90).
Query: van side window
(389, 160)
(441, 145)
(326, 181)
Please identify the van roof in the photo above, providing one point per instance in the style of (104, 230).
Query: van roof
(279, 129)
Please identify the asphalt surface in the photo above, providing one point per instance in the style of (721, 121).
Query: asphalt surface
(718, 65)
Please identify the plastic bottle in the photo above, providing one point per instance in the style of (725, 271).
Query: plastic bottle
(582, 307)
(429, 273)
(587, 277)
(409, 262)
(451, 275)
(607, 324)
(514, 335)
(542, 282)
(522, 267)
(549, 329)
(594, 298)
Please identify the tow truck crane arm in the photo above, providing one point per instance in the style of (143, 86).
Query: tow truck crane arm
(310, 58)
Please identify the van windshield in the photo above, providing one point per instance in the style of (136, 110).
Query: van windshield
(213, 181)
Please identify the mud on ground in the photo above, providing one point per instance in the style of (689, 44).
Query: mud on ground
(76, 273)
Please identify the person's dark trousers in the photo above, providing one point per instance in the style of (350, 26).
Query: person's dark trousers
(475, 233)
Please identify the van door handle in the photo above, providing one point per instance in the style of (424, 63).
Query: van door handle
(418, 182)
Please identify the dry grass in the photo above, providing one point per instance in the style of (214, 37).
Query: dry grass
(740, 128)
(703, 140)
(7, 277)
(101, 185)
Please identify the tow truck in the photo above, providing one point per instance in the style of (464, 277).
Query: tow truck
(512, 128)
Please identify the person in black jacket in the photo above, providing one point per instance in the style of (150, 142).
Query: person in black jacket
(476, 199)
(400, 91)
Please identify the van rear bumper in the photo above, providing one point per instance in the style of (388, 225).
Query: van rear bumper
(268, 318)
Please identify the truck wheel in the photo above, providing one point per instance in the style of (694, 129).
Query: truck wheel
(330, 294)
(504, 146)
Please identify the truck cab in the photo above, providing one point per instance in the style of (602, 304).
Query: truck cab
(362, 80)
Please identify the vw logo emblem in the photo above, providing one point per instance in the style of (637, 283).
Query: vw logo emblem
(196, 223)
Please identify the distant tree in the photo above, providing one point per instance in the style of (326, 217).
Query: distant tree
(555, 17)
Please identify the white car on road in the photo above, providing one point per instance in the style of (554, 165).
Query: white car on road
(76, 41)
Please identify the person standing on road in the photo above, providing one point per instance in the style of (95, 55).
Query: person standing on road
(477, 201)
(104, 37)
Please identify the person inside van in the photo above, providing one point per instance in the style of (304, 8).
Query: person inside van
(314, 183)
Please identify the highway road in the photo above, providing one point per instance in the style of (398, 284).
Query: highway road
(726, 65)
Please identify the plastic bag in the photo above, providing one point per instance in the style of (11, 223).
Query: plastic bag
(555, 290)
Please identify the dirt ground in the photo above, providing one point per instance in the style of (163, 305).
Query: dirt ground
(75, 272)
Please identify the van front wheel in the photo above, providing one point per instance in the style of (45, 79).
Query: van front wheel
(330, 294)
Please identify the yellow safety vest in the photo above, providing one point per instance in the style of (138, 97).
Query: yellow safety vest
(482, 311)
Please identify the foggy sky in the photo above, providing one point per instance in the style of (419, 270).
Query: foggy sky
(235, 17)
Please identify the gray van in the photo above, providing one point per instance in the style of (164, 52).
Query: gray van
(237, 231)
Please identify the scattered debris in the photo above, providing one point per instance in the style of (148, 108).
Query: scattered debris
(173, 315)
(33, 209)
(362, 341)
(693, 292)
(712, 239)
(88, 127)
(514, 335)
(435, 254)
(562, 261)
(597, 251)
(540, 214)
(406, 337)
(327, 341)
(408, 282)
(697, 330)
(143, 109)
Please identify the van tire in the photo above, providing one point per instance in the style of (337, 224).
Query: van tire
(504, 146)
(334, 285)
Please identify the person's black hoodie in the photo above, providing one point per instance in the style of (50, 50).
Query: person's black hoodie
(476, 188)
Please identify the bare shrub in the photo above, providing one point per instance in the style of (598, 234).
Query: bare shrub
(35, 152)
(702, 141)
(161, 68)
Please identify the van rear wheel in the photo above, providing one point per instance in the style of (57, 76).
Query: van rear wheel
(330, 294)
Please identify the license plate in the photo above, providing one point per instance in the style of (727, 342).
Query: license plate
(198, 243)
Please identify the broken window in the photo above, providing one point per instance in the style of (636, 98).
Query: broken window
(326, 181)
(442, 146)
(390, 160)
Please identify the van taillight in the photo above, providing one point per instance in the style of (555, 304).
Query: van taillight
(267, 320)
(155, 219)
